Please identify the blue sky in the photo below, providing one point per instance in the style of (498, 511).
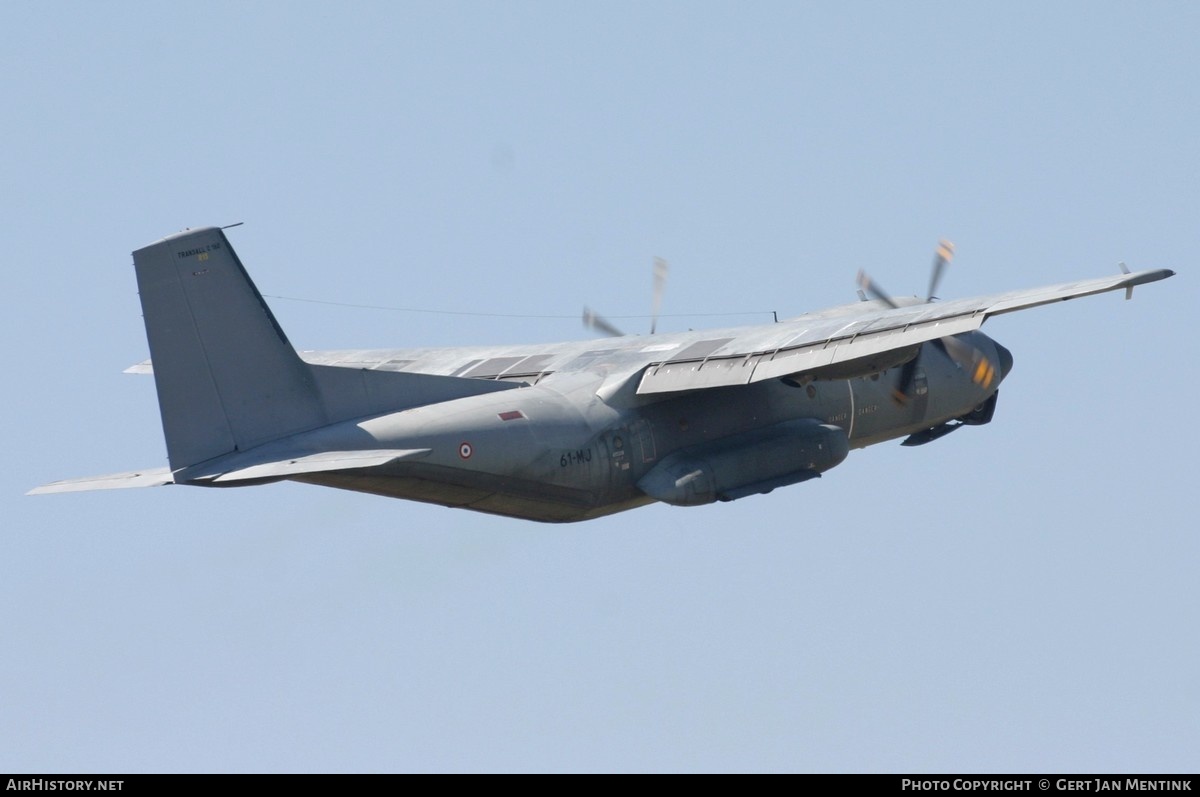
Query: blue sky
(1016, 597)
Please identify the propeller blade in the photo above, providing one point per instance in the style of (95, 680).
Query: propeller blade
(958, 350)
(866, 284)
(660, 284)
(595, 322)
(983, 371)
(945, 253)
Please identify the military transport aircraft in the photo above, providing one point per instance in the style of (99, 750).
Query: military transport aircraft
(561, 432)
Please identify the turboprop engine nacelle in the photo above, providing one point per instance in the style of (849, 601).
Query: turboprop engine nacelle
(745, 464)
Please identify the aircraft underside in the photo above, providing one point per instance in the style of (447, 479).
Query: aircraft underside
(495, 495)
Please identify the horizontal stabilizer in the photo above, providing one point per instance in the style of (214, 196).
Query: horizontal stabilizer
(315, 463)
(113, 481)
(238, 468)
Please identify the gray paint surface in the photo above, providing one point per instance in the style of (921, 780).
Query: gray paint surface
(557, 432)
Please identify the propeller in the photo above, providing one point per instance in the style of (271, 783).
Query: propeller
(868, 285)
(982, 370)
(660, 285)
(598, 323)
(967, 357)
(941, 259)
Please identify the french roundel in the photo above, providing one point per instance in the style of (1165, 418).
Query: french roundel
(465, 450)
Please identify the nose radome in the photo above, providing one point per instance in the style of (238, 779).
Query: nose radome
(1006, 360)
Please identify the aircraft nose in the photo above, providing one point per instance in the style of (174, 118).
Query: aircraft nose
(1006, 360)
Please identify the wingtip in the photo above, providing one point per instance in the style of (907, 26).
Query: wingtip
(1150, 275)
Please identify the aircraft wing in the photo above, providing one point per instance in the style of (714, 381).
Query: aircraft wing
(866, 337)
(840, 342)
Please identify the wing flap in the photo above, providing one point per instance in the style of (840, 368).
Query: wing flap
(745, 369)
(863, 346)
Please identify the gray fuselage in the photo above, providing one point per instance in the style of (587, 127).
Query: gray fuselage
(557, 451)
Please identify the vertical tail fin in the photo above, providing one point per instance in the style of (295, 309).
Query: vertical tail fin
(227, 377)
